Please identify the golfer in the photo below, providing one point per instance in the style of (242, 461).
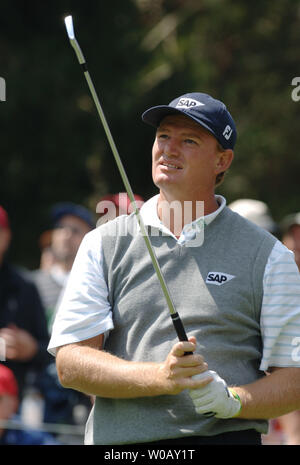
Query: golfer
(234, 285)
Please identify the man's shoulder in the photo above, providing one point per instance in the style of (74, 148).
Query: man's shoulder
(119, 225)
(244, 225)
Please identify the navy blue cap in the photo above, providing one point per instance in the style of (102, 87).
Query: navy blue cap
(210, 113)
(68, 208)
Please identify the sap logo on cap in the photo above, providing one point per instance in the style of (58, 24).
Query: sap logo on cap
(227, 132)
(188, 103)
(218, 278)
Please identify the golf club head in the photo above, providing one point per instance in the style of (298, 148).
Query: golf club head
(74, 43)
(69, 27)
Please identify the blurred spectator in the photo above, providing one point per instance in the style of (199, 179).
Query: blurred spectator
(23, 326)
(290, 236)
(9, 402)
(112, 205)
(256, 211)
(69, 223)
(47, 257)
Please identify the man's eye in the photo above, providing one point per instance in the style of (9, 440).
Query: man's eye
(162, 136)
(190, 141)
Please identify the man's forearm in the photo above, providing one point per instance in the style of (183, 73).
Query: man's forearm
(272, 396)
(99, 373)
(84, 367)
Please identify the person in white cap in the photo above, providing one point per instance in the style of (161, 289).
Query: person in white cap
(256, 211)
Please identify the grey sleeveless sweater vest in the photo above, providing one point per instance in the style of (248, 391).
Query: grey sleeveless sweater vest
(223, 315)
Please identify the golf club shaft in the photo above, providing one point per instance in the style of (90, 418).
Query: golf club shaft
(179, 328)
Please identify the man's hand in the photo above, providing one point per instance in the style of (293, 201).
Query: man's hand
(178, 371)
(215, 398)
(19, 344)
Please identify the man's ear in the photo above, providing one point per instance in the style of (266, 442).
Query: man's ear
(224, 160)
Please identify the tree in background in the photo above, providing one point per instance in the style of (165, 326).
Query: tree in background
(140, 53)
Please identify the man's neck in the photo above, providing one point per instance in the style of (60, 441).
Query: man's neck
(176, 213)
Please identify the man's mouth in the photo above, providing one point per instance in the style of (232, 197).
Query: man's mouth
(170, 165)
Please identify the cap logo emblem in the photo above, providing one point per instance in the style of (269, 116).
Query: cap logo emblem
(227, 132)
(188, 103)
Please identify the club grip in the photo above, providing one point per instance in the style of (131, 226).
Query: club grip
(179, 328)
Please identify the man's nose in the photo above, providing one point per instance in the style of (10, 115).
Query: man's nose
(171, 148)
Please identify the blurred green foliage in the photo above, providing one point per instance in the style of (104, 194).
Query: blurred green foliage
(140, 53)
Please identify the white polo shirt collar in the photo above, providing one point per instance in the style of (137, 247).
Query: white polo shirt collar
(150, 218)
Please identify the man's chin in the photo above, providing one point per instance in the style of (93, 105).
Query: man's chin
(167, 183)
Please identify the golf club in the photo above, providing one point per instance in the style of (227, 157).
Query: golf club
(174, 315)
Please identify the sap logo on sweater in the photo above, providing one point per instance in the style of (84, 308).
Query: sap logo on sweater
(218, 278)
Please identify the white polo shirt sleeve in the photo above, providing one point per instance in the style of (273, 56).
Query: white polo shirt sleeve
(84, 311)
(280, 313)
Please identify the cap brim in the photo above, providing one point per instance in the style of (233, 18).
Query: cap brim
(154, 115)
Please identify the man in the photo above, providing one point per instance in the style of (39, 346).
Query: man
(113, 337)
(70, 222)
(23, 326)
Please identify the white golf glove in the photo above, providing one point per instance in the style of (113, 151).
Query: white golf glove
(215, 398)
